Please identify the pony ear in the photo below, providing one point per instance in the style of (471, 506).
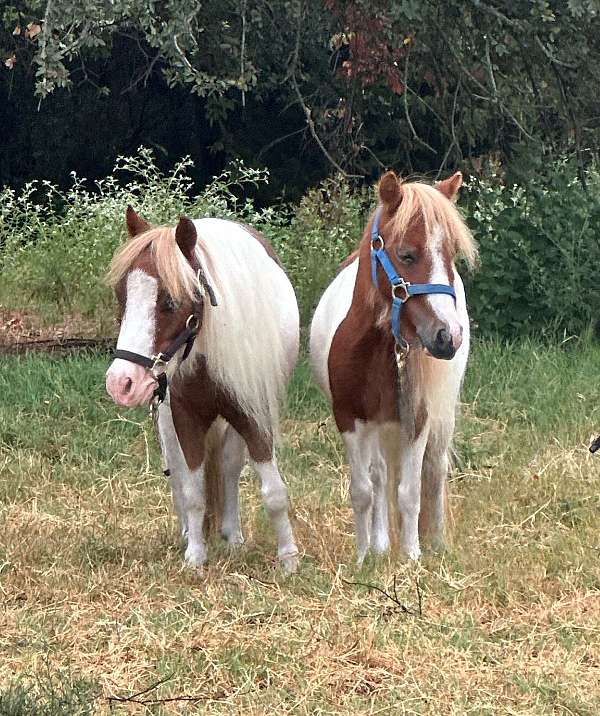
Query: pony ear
(135, 224)
(186, 237)
(450, 186)
(390, 192)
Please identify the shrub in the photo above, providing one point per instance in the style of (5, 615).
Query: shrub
(538, 242)
(56, 246)
(539, 253)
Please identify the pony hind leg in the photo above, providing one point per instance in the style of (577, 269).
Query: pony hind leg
(275, 498)
(234, 456)
(434, 491)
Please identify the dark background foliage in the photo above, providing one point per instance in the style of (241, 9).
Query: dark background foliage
(505, 90)
(418, 86)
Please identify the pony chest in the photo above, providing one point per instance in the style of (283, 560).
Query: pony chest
(363, 375)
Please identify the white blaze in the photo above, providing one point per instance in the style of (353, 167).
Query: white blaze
(442, 304)
(127, 383)
(139, 322)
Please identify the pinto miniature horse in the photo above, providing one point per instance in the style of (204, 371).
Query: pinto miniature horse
(207, 309)
(392, 367)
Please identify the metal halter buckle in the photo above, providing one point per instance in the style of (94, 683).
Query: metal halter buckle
(192, 322)
(401, 351)
(381, 244)
(158, 362)
(402, 286)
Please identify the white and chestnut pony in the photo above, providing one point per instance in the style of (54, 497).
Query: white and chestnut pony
(209, 331)
(389, 344)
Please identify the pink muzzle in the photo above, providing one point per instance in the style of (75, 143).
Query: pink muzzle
(128, 384)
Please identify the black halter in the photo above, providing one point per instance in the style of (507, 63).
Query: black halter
(159, 361)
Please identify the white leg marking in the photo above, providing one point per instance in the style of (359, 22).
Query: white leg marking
(275, 498)
(173, 459)
(187, 487)
(358, 449)
(433, 489)
(380, 541)
(234, 455)
(409, 493)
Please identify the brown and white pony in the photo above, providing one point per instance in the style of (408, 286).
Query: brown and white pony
(397, 424)
(242, 349)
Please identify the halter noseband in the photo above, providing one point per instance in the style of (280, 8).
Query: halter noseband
(401, 290)
(160, 360)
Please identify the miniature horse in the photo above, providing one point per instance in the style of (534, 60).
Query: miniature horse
(392, 367)
(207, 309)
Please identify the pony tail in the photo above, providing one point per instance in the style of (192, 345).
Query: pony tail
(213, 477)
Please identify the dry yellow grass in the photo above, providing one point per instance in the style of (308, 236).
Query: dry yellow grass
(92, 585)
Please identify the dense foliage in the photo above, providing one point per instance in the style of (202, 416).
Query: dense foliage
(538, 242)
(300, 86)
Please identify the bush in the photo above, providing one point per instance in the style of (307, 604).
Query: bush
(539, 252)
(56, 246)
(538, 242)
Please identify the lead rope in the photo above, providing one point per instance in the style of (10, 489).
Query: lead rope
(154, 407)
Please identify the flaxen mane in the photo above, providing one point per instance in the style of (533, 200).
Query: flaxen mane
(434, 208)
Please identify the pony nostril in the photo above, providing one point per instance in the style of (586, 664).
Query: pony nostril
(127, 383)
(443, 339)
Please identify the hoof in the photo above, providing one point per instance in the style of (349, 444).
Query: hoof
(289, 563)
(380, 546)
(414, 554)
(234, 541)
(195, 557)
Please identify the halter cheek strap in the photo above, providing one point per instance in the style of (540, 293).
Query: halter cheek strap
(401, 290)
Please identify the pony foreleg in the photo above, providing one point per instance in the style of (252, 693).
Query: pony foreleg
(234, 454)
(380, 541)
(409, 493)
(358, 449)
(169, 446)
(187, 487)
(275, 498)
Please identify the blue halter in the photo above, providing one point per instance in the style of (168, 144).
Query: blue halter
(401, 290)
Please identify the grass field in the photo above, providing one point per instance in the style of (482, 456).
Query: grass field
(96, 603)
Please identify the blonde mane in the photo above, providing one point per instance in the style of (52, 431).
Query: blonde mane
(426, 201)
(173, 270)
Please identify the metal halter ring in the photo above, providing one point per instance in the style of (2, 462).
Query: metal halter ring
(402, 286)
(159, 362)
(381, 244)
(401, 352)
(192, 322)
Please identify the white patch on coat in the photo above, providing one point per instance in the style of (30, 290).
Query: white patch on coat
(331, 311)
(127, 383)
(139, 319)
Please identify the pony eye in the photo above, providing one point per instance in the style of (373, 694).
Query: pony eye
(171, 305)
(406, 258)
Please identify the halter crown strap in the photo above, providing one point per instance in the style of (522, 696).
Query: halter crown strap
(401, 290)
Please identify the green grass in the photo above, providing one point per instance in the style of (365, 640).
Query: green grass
(96, 602)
